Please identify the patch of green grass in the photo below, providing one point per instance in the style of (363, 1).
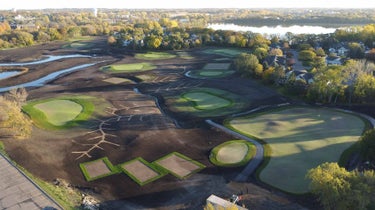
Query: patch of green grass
(42, 119)
(206, 100)
(112, 169)
(154, 56)
(229, 52)
(128, 68)
(299, 139)
(185, 55)
(160, 173)
(232, 153)
(2, 146)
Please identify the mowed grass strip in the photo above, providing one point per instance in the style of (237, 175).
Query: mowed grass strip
(300, 139)
(129, 67)
(232, 153)
(154, 56)
(207, 74)
(61, 112)
(206, 100)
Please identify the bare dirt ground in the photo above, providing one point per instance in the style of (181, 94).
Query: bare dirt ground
(134, 126)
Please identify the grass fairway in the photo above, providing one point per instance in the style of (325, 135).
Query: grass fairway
(224, 51)
(59, 113)
(300, 139)
(206, 102)
(232, 153)
(128, 68)
(206, 74)
(154, 56)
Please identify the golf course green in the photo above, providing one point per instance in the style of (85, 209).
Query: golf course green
(154, 56)
(232, 153)
(299, 139)
(128, 68)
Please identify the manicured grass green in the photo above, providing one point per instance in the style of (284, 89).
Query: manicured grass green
(232, 153)
(299, 139)
(159, 173)
(111, 169)
(59, 112)
(230, 52)
(55, 113)
(206, 100)
(128, 68)
(154, 56)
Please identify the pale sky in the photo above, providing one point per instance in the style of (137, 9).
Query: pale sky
(168, 4)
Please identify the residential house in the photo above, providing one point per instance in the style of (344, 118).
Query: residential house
(342, 51)
(219, 203)
(274, 60)
(334, 60)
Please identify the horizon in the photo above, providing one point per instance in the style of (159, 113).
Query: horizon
(192, 4)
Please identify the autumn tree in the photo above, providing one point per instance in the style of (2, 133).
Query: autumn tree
(248, 65)
(13, 123)
(337, 188)
(367, 143)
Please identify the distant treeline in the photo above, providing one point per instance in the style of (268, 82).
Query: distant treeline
(334, 22)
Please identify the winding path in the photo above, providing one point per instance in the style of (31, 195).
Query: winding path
(257, 159)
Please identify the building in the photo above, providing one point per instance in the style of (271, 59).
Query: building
(219, 203)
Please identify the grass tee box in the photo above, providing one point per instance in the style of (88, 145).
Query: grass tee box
(128, 68)
(141, 171)
(154, 56)
(97, 169)
(232, 153)
(299, 139)
(60, 112)
(179, 165)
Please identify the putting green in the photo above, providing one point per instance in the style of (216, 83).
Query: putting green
(300, 139)
(154, 56)
(232, 153)
(206, 100)
(129, 67)
(59, 112)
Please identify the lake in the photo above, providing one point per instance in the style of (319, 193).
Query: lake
(277, 30)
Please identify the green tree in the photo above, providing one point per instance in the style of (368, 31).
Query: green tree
(367, 143)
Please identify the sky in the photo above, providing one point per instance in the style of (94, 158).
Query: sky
(169, 4)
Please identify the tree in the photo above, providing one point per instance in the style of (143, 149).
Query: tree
(367, 143)
(13, 123)
(248, 65)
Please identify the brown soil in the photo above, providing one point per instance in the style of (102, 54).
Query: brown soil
(178, 165)
(133, 126)
(97, 168)
(140, 171)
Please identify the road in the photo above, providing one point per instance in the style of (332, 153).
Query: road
(255, 161)
(19, 192)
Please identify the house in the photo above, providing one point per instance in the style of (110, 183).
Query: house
(303, 75)
(342, 51)
(274, 60)
(334, 60)
(219, 203)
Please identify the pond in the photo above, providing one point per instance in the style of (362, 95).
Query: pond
(42, 81)
(7, 74)
(277, 30)
(48, 59)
